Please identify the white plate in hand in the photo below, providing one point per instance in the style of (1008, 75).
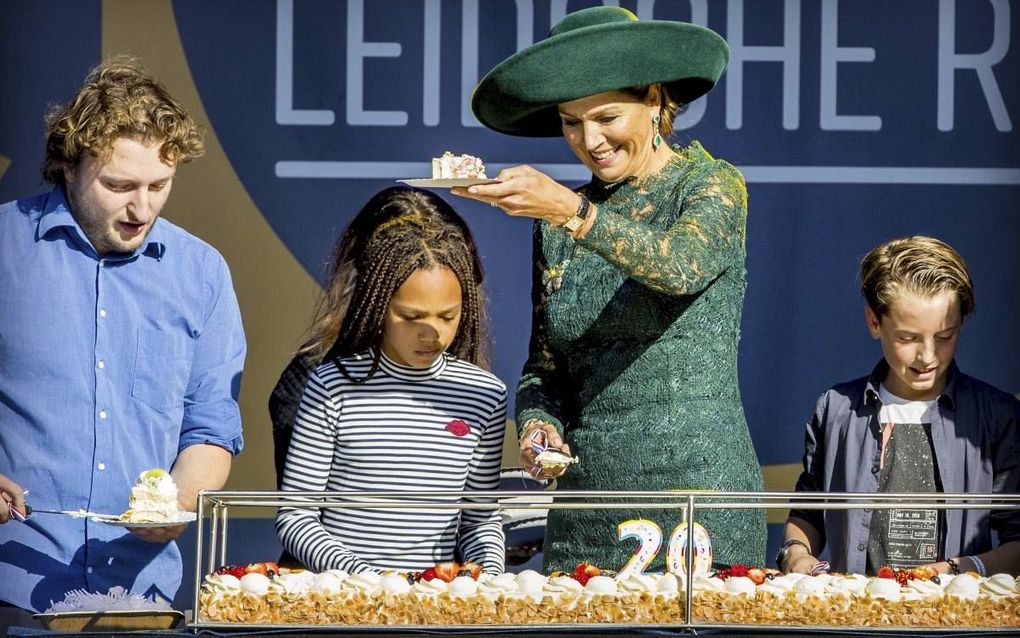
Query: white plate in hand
(447, 183)
(112, 519)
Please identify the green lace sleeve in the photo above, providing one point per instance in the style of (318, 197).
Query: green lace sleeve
(705, 229)
(538, 393)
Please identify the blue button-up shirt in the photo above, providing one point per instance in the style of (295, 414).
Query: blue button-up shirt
(975, 435)
(109, 365)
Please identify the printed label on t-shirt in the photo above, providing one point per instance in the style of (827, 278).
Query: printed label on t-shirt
(912, 537)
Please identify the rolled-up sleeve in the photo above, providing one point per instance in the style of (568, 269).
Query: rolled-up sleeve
(812, 478)
(1006, 463)
(211, 412)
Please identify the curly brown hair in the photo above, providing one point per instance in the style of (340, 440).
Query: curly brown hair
(119, 98)
(919, 265)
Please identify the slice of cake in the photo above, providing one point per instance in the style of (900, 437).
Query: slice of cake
(153, 498)
(451, 166)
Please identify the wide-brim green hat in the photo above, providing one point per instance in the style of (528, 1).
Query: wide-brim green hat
(592, 51)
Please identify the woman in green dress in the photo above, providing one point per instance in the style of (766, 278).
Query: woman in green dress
(638, 280)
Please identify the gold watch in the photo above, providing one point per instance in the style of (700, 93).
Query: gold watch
(574, 223)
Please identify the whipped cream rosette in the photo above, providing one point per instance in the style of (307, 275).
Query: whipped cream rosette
(153, 499)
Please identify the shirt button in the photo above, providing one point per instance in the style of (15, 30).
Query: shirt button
(860, 547)
(88, 570)
(102, 414)
(102, 364)
(102, 312)
(874, 469)
(102, 466)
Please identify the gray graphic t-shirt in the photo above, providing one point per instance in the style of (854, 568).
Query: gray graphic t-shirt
(905, 538)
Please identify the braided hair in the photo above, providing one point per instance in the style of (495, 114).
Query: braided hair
(399, 231)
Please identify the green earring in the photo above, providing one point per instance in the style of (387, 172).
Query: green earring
(657, 140)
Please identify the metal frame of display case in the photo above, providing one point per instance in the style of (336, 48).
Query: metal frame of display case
(215, 506)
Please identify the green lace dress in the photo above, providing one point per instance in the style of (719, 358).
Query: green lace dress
(633, 356)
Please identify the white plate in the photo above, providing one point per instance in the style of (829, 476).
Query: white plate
(184, 517)
(447, 183)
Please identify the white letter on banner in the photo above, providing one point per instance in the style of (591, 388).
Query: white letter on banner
(431, 64)
(699, 15)
(558, 9)
(357, 51)
(982, 63)
(470, 34)
(285, 111)
(788, 54)
(832, 55)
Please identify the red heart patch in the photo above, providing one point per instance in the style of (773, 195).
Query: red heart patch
(458, 427)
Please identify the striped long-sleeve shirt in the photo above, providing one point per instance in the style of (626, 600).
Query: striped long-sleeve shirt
(406, 428)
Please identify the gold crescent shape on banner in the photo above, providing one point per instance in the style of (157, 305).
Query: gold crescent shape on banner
(4, 163)
(275, 293)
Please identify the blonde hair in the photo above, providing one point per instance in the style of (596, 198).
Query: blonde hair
(119, 98)
(668, 107)
(919, 266)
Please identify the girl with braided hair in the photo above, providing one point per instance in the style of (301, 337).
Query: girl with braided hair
(401, 397)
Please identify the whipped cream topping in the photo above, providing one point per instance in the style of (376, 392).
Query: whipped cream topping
(884, 588)
(740, 586)
(394, 584)
(153, 498)
(998, 586)
(255, 584)
(600, 585)
(566, 591)
(964, 586)
(920, 590)
(812, 586)
(780, 585)
(329, 583)
(463, 587)
(848, 584)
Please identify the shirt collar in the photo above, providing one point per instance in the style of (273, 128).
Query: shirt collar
(946, 398)
(57, 214)
(407, 373)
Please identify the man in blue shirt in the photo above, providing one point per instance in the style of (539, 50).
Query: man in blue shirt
(121, 346)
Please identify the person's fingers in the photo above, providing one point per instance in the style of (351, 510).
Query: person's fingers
(802, 564)
(18, 501)
(553, 438)
(5, 511)
(158, 534)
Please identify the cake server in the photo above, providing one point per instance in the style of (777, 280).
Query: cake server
(29, 510)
